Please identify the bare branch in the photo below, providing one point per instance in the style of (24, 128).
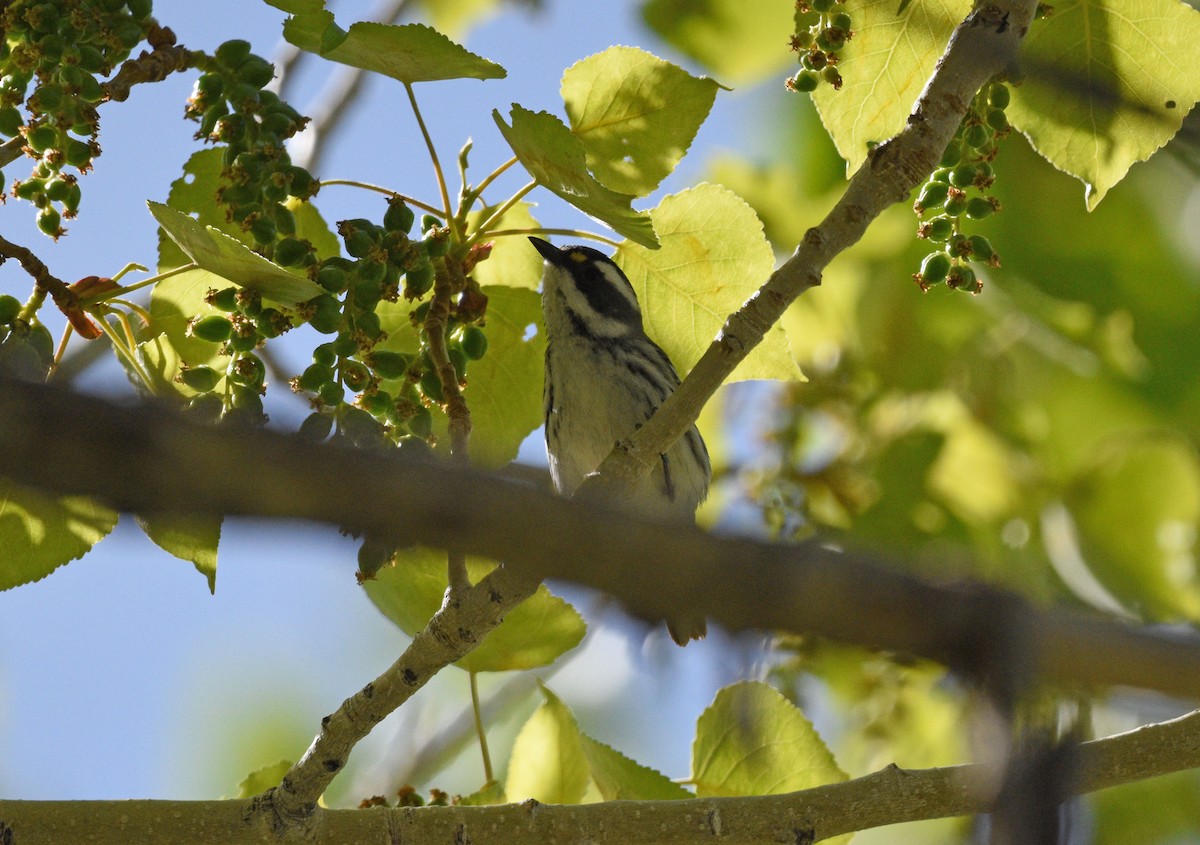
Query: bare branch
(890, 796)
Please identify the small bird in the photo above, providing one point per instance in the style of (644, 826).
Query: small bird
(604, 379)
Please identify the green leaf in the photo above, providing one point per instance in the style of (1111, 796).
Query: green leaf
(1136, 514)
(259, 781)
(455, 17)
(534, 634)
(753, 741)
(410, 53)
(311, 226)
(490, 793)
(713, 256)
(556, 159)
(621, 779)
(40, 533)
(635, 114)
(739, 43)
(218, 253)
(513, 262)
(187, 537)
(195, 194)
(504, 387)
(884, 68)
(1105, 85)
(548, 762)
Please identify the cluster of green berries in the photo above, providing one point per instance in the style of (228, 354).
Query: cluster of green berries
(394, 391)
(959, 189)
(232, 109)
(60, 47)
(822, 30)
(26, 349)
(241, 323)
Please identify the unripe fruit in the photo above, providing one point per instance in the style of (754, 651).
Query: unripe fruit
(805, 81)
(331, 393)
(955, 204)
(355, 375)
(333, 279)
(418, 281)
(327, 318)
(315, 377)
(213, 328)
(233, 53)
(963, 176)
(359, 243)
(388, 364)
(998, 95)
(421, 423)
(474, 342)
(935, 267)
(10, 307)
(399, 217)
(316, 427)
(981, 248)
(202, 379)
(289, 252)
(940, 229)
(932, 195)
(979, 208)
(223, 300)
(431, 386)
(49, 221)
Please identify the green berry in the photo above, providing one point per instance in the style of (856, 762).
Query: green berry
(805, 81)
(206, 407)
(932, 195)
(388, 364)
(78, 154)
(10, 307)
(248, 370)
(223, 300)
(955, 204)
(428, 221)
(316, 427)
(256, 72)
(361, 428)
(232, 53)
(821, 5)
(289, 252)
(474, 342)
(10, 121)
(399, 217)
(977, 135)
(940, 229)
(952, 155)
(333, 279)
(315, 377)
(421, 423)
(50, 222)
(345, 345)
(981, 248)
(935, 267)
(997, 119)
(200, 379)
(359, 243)
(325, 354)
(367, 323)
(331, 393)
(327, 318)
(41, 138)
(263, 230)
(437, 245)
(833, 77)
(979, 208)
(418, 281)
(998, 95)
(214, 328)
(942, 174)
(431, 386)
(963, 176)
(963, 278)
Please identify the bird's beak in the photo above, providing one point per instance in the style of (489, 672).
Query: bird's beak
(549, 251)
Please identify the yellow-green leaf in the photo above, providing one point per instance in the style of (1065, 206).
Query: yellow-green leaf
(555, 159)
(187, 537)
(621, 779)
(533, 634)
(753, 741)
(1137, 513)
(513, 262)
(39, 533)
(713, 256)
(410, 52)
(548, 763)
(218, 253)
(636, 115)
(737, 42)
(1106, 84)
(260, 780)
(884, 67)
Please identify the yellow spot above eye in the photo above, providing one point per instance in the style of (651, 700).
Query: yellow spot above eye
(578, 257)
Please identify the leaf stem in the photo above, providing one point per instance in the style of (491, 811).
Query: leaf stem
(126, 353)
(437, 166)
(354, 183)
(476, 192)
(482, 229)
(591, 236)
(121, 291)
(482, 734)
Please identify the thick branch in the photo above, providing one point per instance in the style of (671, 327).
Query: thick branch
(147, 459)
(982, 46)
(886, 797)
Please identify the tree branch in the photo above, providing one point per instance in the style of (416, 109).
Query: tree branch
(981, 47)
(148, 459)
(890, 796)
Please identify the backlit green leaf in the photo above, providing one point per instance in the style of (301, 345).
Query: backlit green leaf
(410, 53)
(513, 261)
(739, 43)
(635, 114)
(884, 67)
(40, 533)
(753, 741)
(187, 537)
(1105, 85)
(713, 256)
(218, 253)
(556, 159)
(548, 762)
(621, 779)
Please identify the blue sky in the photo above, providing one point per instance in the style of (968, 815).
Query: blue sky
(120, 676)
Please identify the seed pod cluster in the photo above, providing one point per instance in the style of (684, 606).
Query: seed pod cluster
(823, 29)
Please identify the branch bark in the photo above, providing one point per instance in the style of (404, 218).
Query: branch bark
(889, 796)
(148, 459)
